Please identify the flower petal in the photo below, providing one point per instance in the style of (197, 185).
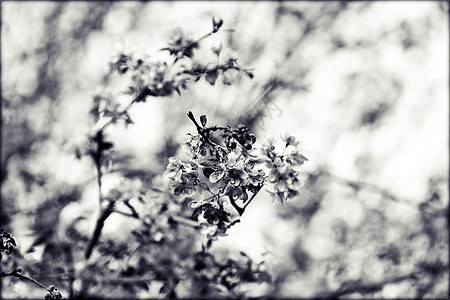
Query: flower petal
(216, 176)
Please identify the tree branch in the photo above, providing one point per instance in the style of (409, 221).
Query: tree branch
(364, 288)
(116, 117)
(185, 221)
(98, 228)
(253, 196)
(17, 273)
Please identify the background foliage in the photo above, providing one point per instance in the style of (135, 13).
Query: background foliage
(362, 85)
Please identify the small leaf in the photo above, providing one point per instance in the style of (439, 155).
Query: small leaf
(211, 76)
(196, 213)
(128, 120)
(203, 120)
(203, 186)
(217, 24)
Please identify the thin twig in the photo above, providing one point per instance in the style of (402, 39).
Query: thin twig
(201, 130)
(17, 273)
(185, 221)
(214, 128)
(253, 196)
(239, 209)
(99, 182)
(98, 228)
(116, 117)
(364, 288)
(135, 216)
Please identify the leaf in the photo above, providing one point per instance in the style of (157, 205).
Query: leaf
(128, 120)
(106, 145)
(196, 213)
(208, 244)
(217, 24)
(211, 76)
(203, 120)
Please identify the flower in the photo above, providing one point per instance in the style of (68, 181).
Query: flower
(175, 169)
(289, 140)
(218, 174)
(283, 174)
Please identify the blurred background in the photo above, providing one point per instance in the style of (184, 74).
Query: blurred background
(362, 85)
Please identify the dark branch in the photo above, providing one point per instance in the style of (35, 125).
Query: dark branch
(201, 130)
(364, 288)
(98, 228)
(240, 210)
(17, 273)
(253, 196)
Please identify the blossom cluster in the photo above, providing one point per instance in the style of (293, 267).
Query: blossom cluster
(228, 170)
(148, 78)
(224, 162)
(284, 174)
(161, 78)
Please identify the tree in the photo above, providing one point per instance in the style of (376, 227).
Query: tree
(350, 233)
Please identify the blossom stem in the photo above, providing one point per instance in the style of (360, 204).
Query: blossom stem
(185, 221)
(214, 128)
(116, 117)
(253, 196)
(201, 130)
(239, 209)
